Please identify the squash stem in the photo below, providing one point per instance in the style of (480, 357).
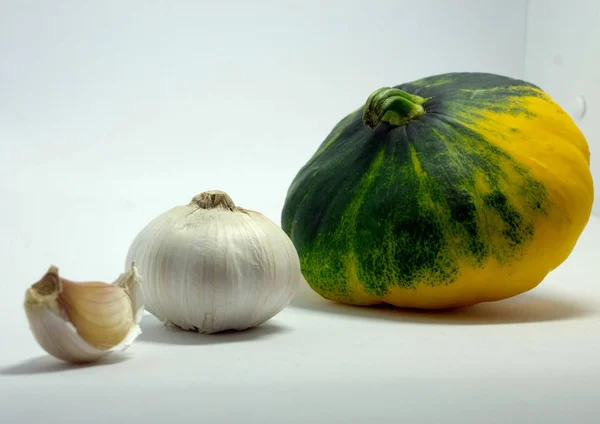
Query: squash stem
(393, 106)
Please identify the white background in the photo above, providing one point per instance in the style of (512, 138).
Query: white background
(112, 112)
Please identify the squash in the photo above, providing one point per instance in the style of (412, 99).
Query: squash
(444, 192)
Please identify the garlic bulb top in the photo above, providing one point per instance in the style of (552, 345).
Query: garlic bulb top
(212, 266)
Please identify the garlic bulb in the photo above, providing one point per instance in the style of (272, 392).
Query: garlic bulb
(211, 266)
(83, 322)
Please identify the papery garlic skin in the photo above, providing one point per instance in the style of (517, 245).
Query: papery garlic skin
(84, 322)
(210, 266)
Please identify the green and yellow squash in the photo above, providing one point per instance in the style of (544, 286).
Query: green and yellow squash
(443, 192)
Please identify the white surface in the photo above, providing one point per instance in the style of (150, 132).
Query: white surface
(529, 359)
(112, 112)
(563, 57)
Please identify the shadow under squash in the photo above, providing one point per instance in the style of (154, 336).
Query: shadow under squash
(525, 308)
(154, 331)
(48, 364)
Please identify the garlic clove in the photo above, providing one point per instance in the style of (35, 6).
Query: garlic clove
(83, 322)
(101, 313)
